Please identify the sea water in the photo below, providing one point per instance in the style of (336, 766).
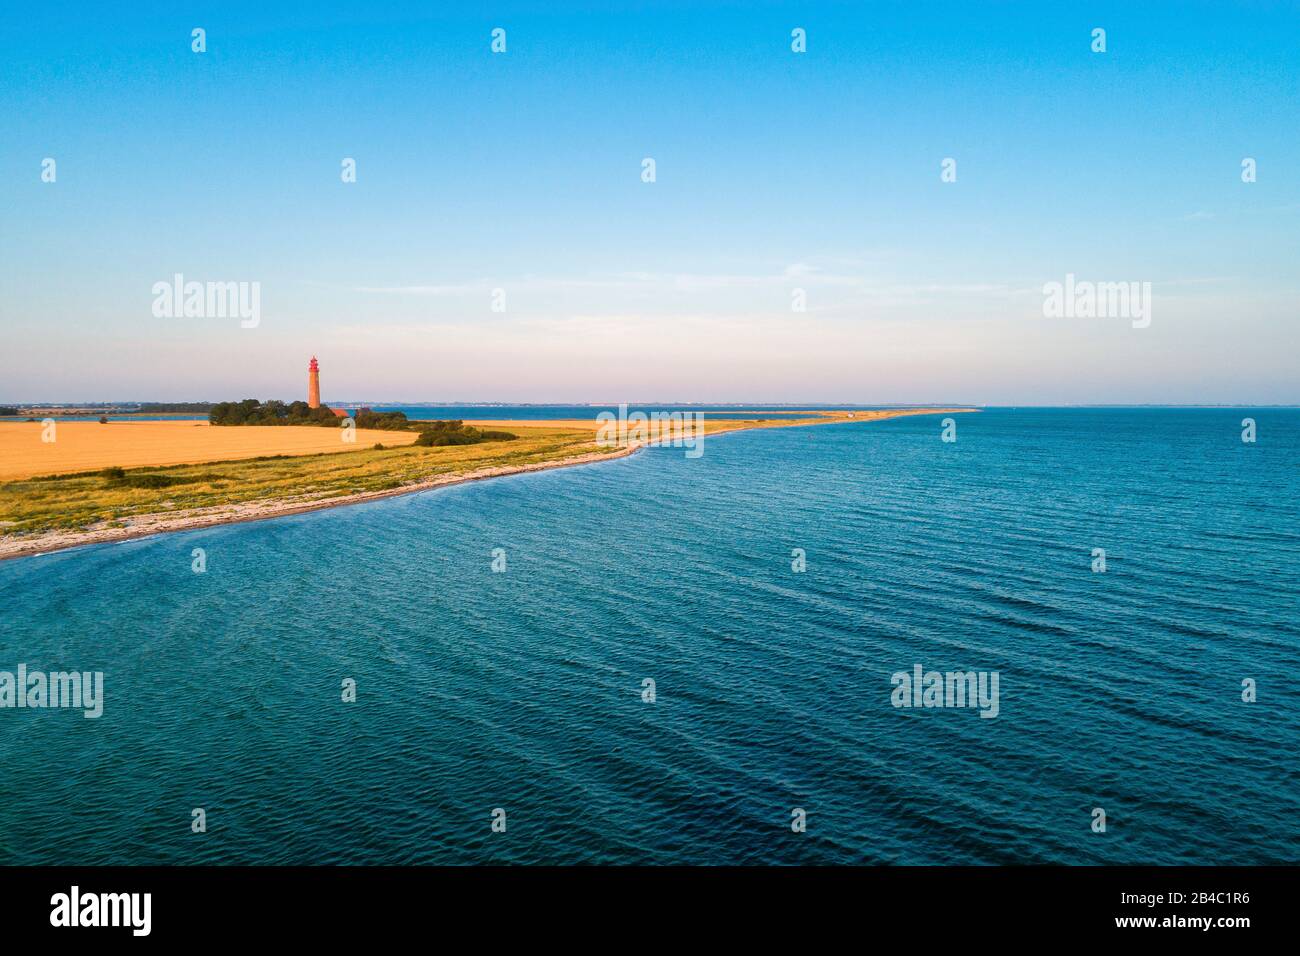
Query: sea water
(1160, 690)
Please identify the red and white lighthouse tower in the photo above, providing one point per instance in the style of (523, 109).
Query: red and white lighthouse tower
(313, 384)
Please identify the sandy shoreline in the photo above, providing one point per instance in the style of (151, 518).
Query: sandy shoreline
(148, 525)
(49, 542)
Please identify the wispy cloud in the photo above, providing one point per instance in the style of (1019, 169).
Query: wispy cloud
(800, 274)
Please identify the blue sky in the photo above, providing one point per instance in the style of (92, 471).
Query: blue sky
(775, 171)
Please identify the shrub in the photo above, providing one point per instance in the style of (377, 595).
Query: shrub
(151, 481)
(439, 439)
(118, 478)
(456, 432)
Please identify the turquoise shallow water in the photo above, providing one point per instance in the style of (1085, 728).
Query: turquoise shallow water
(522, 689)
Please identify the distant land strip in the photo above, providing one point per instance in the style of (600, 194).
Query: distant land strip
(54, 512)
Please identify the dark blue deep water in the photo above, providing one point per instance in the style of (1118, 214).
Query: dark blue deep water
(522, 690)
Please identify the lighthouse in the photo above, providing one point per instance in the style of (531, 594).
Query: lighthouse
(313, 384)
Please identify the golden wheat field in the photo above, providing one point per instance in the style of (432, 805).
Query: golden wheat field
(88, 446)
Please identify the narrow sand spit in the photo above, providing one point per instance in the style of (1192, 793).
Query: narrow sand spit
(17, 546)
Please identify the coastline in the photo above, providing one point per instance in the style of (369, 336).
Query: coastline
(51, 542)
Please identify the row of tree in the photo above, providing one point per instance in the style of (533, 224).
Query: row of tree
(432, 434)
(272, 412)
(252, 412)
(393, 421)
